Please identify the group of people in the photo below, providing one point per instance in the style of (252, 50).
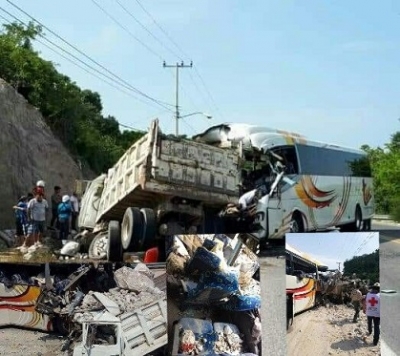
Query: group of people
(370, 304)
(31, 214)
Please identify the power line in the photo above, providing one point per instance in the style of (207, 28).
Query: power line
(158, 102)
(84, 63)
(205, 87)
(146, 29)
(185, 55)
(126, 29)
(162, 30)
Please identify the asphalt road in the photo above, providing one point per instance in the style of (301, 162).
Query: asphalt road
(389, 260)
(273, 305)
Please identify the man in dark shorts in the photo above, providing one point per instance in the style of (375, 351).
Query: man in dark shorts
(37, 211)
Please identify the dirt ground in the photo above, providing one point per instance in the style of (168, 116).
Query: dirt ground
(16, 342)
(330, 331)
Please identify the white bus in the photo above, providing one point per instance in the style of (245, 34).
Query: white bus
(302, 282)
(321, 185)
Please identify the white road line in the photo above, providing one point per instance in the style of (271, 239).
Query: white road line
(386, 350)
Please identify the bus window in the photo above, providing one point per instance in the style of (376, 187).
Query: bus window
(289, 158)
(325, 161)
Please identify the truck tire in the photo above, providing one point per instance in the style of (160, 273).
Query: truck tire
(114, 247)
(149, 228)
(98, 247)
(131, 229)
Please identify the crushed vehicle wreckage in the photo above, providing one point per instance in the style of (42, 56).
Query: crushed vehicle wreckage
(213, 296)
(227, 179)
(163, 186)
(99, 309)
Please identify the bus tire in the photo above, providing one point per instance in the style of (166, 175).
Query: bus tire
(367, 225)
(149, 228)
(114, 247)
(296, 224)
(358, 222)
(131, 229)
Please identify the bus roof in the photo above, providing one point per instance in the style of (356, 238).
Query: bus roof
(306, 257)
(256, 136)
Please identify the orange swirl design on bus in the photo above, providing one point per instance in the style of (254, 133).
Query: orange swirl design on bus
(17, 307)
(307, 191)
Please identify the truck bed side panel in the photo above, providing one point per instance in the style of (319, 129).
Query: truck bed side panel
(156, 166)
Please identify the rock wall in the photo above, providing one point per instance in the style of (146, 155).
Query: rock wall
(28, 152)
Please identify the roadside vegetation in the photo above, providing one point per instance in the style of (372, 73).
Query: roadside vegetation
(74, 114)
(365, 266)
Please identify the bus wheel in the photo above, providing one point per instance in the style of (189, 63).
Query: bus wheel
(358, 223)
(296, 224)
(367, 225)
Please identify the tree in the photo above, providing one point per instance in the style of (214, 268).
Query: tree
(73, 114)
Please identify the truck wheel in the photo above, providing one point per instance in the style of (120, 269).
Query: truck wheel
(149, 228)
(114, 247)
(98, 247)
(131, 229)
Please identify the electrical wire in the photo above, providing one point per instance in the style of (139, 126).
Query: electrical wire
(162, 30)
(81, 61)
(146, 29)
(159, 102)
(185, 55)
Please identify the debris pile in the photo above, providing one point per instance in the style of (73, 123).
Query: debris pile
(217, 276)
(228, 341)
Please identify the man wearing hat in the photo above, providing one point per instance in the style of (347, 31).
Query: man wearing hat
(373, 311)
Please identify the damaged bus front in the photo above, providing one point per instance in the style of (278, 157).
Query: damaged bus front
(292, 184)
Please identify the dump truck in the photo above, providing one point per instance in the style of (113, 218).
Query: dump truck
(160, 186)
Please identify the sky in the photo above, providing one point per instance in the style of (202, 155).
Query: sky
(331, 248)
(326, 69)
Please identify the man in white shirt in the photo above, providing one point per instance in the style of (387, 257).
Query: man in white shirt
(373, 310)
(37, 211)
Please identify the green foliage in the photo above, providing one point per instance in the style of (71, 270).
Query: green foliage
(385, 164)
(365, 266)
(73, 114)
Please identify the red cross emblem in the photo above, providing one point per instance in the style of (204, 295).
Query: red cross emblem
(372, 301)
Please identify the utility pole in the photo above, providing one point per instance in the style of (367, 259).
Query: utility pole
(177, 66)
(339, 265)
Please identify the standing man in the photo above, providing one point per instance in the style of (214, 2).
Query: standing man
(356, 298)
(55, 201)
(21, 219)
(37, 210)
(373, 311)
(64, 216)
(75, 210)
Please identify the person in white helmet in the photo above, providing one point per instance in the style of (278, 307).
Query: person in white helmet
(39, 188)
(64, 217)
